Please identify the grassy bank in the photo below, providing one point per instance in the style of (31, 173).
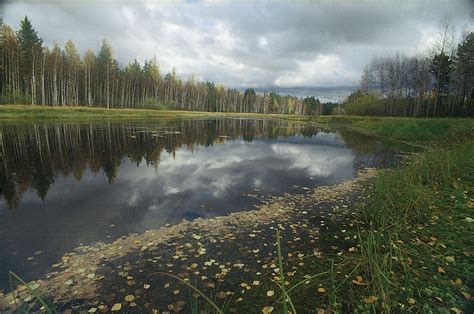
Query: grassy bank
(408, 129)
(410, 246)
(416, 249)
(416, 231)
(45, 113)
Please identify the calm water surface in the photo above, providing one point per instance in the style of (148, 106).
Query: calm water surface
(63, 185)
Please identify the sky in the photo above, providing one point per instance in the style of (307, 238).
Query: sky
(270, 45)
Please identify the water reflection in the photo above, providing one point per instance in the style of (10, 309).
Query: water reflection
(67, 184)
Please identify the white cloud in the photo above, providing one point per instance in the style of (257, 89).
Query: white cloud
(324, 70)
(247, 43)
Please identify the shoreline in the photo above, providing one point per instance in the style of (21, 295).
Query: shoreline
(80, 275)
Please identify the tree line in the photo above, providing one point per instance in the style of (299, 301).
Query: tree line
(439, 85)
(34, 74)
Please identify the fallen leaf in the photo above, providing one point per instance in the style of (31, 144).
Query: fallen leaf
(267, 309)
(441, 270)
(371, 299)
(321, 290)
(117, 307)
(270, 293)
(466, 295)
(456, 310)
(92, 310)
(358, 281)
(221, 295)
(129, 298)
(146, 286)
(411, 301)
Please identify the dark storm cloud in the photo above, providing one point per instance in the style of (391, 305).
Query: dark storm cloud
(300, 43)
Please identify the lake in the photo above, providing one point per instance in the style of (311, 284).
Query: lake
(67, 184)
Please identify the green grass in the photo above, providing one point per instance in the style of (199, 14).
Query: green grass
(417, 223)
(408, 129)
(18, 113)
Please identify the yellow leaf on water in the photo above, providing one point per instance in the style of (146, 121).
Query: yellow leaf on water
(267, 309)
(146, 286)
(321, 290)
(117, 307)
(129, 298)
(270, 293)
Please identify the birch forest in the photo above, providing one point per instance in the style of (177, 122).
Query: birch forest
(32, 73)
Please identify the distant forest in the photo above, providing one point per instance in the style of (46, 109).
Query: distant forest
(34, 74)
(441, 85)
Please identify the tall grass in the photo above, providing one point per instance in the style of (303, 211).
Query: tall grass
(408, 129)
(401, 201)
(45, 306)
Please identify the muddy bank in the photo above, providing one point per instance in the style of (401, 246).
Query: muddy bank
(230, 258)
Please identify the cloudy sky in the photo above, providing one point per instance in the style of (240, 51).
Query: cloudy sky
(248, 43)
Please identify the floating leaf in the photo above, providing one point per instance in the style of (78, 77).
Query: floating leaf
(267, 309)
(270, 293)
(146, 286)
(92, 310)
(117, 307)
(321, 290)
(129, 298)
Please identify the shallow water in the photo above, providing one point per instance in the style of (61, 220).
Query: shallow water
(63, 185)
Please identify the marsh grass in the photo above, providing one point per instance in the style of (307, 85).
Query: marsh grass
(44, 305)
(36, 113)
(407, 129)
(406, 209)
